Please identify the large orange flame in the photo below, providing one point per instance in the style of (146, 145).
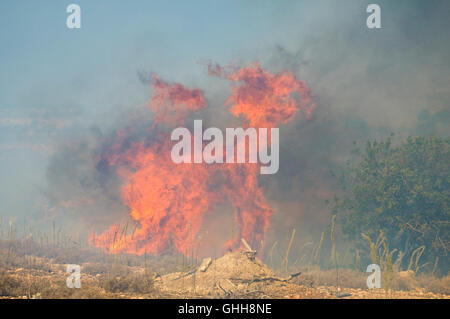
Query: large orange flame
(168, 201)
(265, 99)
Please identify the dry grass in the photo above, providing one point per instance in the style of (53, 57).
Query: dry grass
(348, 278)
(30, 269)
(132, 283)
(36, 287)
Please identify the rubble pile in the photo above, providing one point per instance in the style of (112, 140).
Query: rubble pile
(238, 273)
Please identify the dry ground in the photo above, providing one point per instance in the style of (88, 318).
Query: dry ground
(235, 275)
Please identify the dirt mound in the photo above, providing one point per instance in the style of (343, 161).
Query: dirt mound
(236, 273)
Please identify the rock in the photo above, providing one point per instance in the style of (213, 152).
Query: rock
(205, 264)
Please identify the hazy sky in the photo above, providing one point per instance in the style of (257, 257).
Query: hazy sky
(59, 85)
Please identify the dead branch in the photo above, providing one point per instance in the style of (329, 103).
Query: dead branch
(263, 279)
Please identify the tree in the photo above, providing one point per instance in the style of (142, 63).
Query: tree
(402, 190)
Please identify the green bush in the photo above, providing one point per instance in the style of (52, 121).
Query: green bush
(403, 190)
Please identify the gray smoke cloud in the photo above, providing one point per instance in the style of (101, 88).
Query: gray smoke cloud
(367, 84)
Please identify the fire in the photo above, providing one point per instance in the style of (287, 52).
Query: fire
(168, 201)
(172, 103)
(264, 99)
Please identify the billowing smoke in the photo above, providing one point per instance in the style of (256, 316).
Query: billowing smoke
(365, 83)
